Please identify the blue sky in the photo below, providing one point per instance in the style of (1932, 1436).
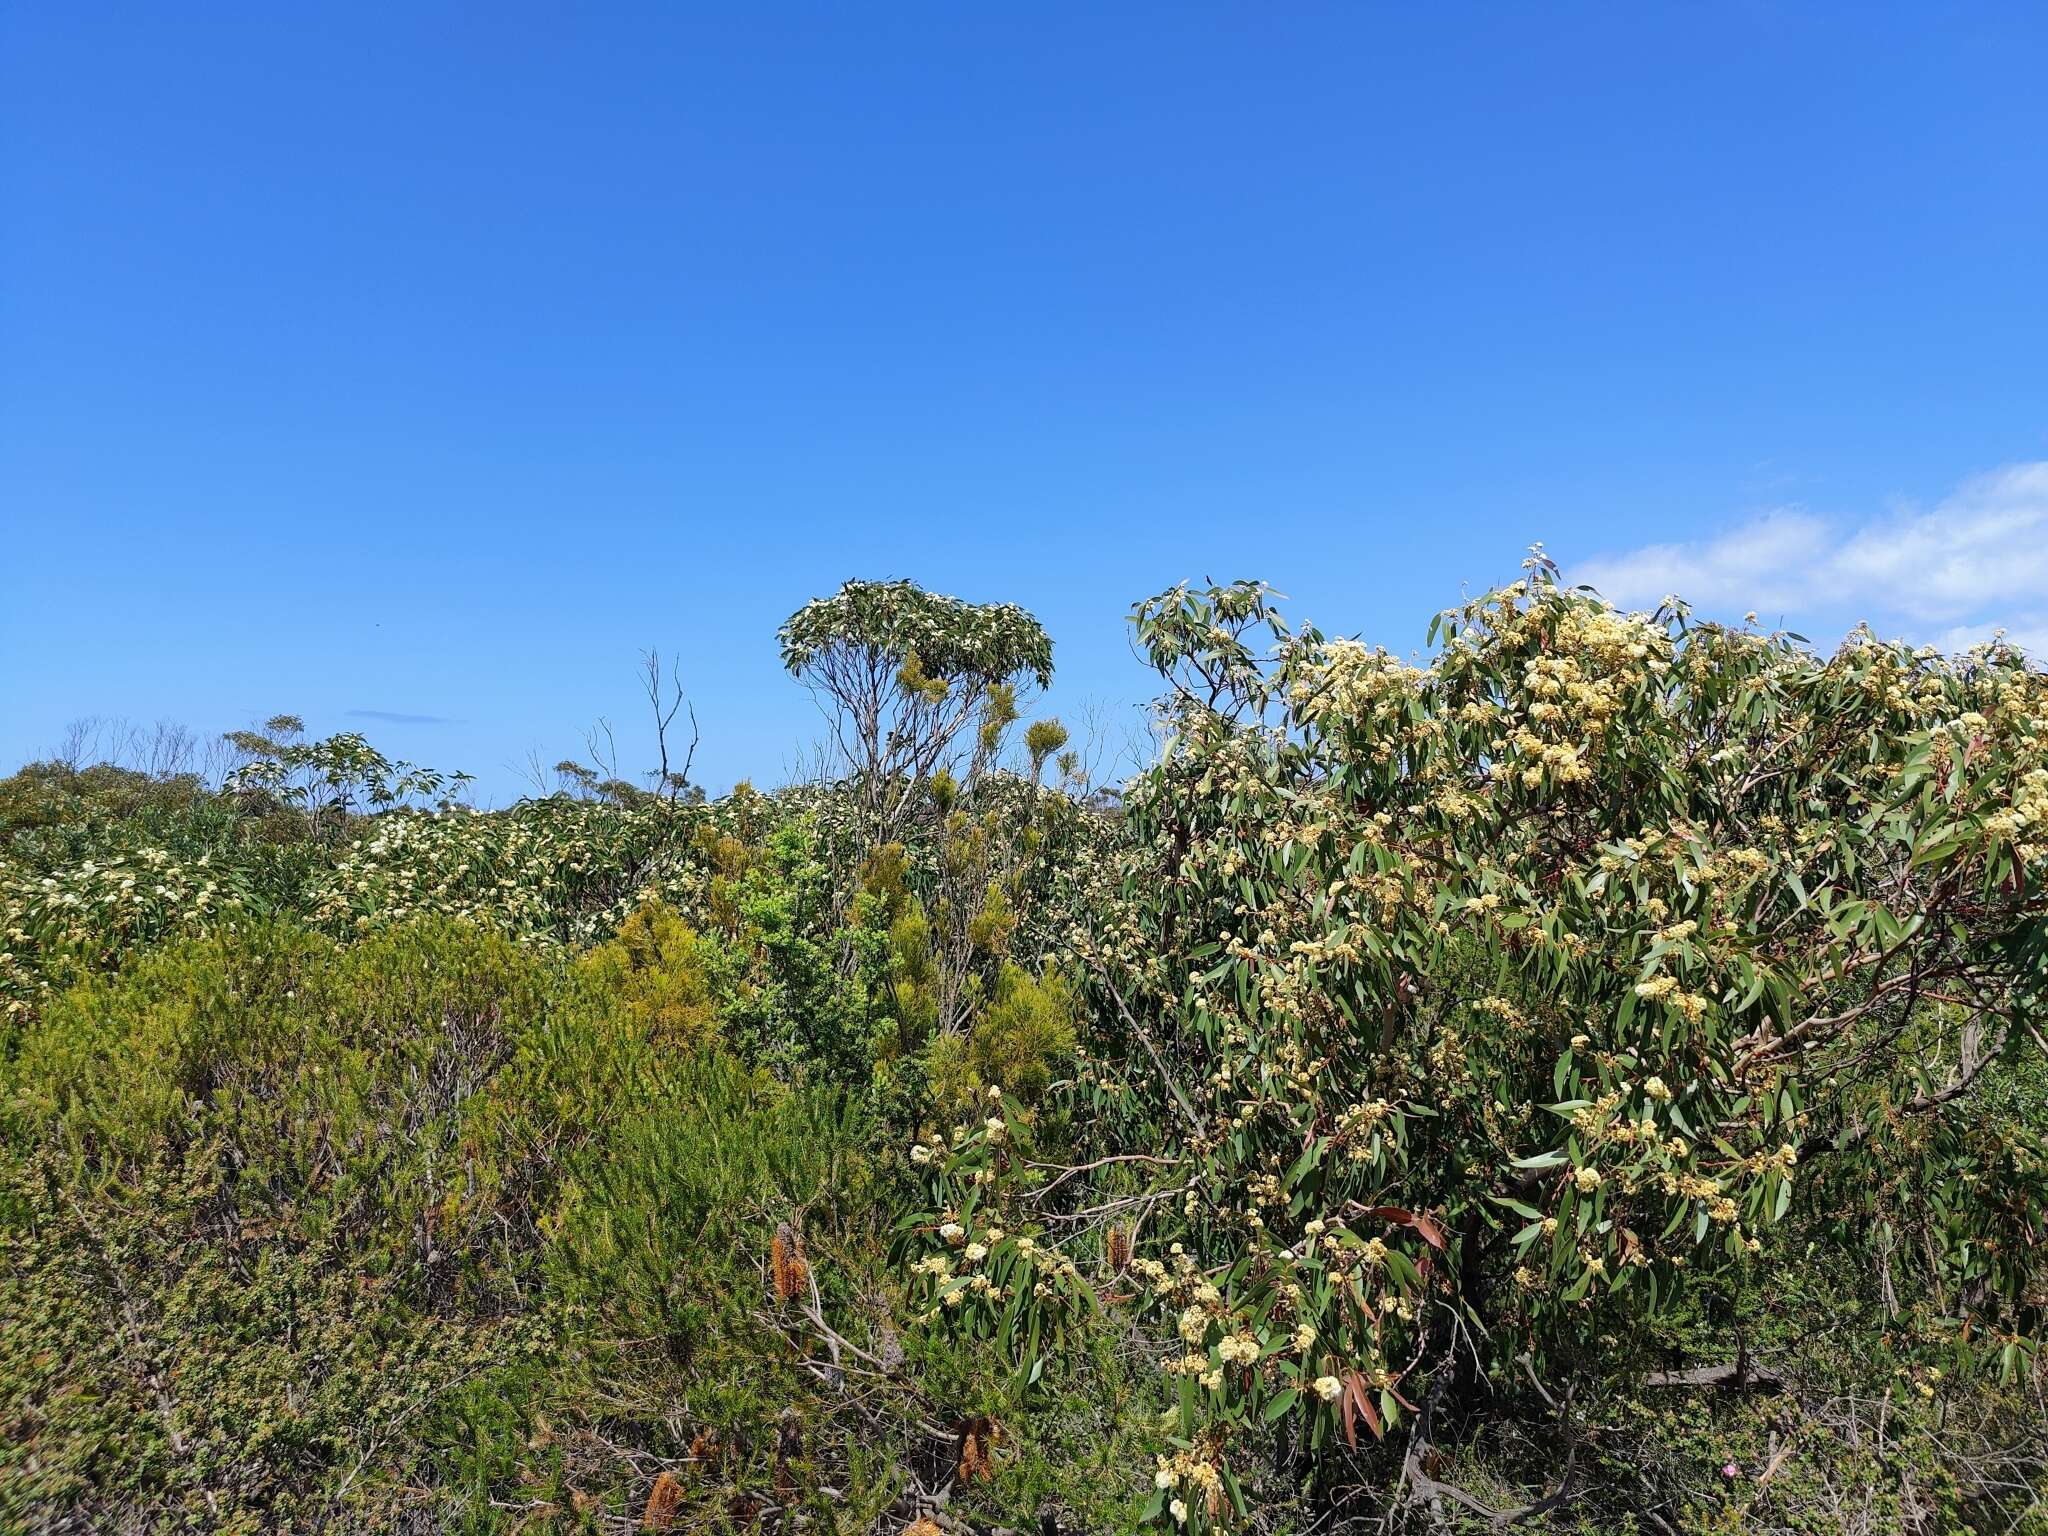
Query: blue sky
(432, 362)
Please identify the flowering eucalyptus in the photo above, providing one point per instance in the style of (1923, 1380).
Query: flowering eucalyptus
(901, 672)
(1460, 1012)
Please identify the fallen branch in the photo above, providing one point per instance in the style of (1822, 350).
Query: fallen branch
(1432, 1491)
(1736, 1375)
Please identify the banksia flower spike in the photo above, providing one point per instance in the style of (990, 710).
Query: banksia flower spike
(978, 1437)
(786, 1267)
(662, 1503)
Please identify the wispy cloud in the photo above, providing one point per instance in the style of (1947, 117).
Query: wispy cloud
(395, 717)
(2030, 635)
(1951, 573)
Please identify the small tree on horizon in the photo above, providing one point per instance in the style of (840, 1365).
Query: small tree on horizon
(901, 673)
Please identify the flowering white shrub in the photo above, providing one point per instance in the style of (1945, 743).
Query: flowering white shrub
(1455, 1013)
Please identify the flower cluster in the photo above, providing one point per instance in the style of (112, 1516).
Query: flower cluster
(1365, 905)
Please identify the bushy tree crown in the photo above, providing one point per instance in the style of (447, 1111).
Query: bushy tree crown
(897, 620)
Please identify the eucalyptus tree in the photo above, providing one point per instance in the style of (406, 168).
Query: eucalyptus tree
(1453, 1019)
(902, 674)
(333, 778)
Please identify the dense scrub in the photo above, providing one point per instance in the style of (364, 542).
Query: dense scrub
(1592, 1081)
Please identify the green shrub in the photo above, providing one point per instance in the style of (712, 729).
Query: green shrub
(1473, 1051)
(1024, 1036)
(659, 972)
(913, 984)
(435, 1230)
(249, 1246)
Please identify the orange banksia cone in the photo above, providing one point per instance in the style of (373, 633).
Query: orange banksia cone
(786, 1265)
(662, 1503)
(1119, 1249)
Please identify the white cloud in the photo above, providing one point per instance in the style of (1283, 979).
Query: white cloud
(2030, 634)
(1977, 560)
(1762, 564)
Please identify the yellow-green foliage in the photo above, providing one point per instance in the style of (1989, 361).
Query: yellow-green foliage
(912, 679)
(1041, 740)
(998, 714)
(885, 876)
(912, 983)
(659, 971)
(994, 921)
(913, 976)
(248, 1241)
(428, 1232)
(1023, 1037)
(729, 856)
